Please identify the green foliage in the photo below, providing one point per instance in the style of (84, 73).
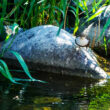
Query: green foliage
(105, 44)
(96, 5)
(103, 33)
(84, 7)
(94, 15)
(2, 30)
(100, 103)
(77, 18)
(6, 73)
(105, 27)
(98, 96)
(4, 7)
(30, 13)
(23, 64)
(34, 12)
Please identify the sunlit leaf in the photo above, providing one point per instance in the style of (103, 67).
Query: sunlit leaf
(7, 37)
(95, 15)
(105, 45)
(24, 66)
(75, 30)
(77, 18)
(7, 74)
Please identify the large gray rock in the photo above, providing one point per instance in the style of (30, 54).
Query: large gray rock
(43, 50)
(93, 29)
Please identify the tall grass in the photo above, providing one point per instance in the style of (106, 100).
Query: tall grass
(77, 17)
(30, 13)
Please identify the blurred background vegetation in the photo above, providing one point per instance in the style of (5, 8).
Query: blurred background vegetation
(31, 13)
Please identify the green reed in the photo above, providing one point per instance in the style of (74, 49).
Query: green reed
(34, 12)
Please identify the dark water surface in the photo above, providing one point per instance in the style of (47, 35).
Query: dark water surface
(60, 93)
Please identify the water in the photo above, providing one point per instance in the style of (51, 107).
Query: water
(60, 93)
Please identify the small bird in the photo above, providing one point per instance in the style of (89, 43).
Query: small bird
(82, 41)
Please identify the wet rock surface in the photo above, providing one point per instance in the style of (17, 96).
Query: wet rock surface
(43, 50)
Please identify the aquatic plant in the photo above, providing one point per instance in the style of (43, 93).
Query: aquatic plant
(98, 96)
(6, 72)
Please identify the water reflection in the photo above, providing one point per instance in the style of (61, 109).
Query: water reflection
(60, 93)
